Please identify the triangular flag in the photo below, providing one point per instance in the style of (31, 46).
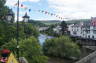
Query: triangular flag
(22, 5)
(29, 10)
(46, 12)
(42, 11)
(51, 14)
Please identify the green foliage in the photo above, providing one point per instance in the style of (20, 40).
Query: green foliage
(37, 23)
(50, 31)
(33, 51)
(50, 22)
(30, 30)
(77, 21)
(30, 49)
(8, 31)
(3, 9)
(61, 47)
(11, 45)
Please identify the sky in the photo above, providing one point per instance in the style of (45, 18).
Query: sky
(68, 9)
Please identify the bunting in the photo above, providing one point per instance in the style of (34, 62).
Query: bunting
(21, 6)
(52, 14)
(41, 11)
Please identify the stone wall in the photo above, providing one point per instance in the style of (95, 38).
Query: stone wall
(91, 58)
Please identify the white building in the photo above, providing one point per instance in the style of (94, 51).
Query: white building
(84, 29)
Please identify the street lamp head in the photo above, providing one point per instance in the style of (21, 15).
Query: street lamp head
(26, 18)
(9, 16)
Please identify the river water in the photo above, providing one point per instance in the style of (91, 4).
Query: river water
(43, 37)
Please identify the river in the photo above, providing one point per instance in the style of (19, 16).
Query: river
(43, 37)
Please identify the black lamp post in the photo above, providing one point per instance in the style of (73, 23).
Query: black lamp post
(26, 18)
(25, 21)
(9, 16)
(17, 30)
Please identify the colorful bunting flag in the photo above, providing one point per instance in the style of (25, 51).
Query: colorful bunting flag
(42, 11)
(29, 10)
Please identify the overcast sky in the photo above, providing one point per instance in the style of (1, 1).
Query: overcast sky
(71, 9)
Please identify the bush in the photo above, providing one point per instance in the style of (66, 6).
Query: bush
(61, 47)
(30, 49)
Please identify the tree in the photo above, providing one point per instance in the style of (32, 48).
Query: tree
(29, 48)
(63, 27)
(61, 47)
(3, 10)
(8, 32)
(30, 30)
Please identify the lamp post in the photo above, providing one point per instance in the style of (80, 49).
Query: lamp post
(17, 38)
(26, 18)
(9, 16)
(25, 21)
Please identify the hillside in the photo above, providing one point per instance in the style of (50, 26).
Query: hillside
(50, 22)
(77, 21)
(37, 23)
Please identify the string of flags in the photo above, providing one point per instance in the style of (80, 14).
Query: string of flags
(21, 6)
(41, 11)
(52, 14)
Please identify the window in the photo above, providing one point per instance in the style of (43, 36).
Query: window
(77, 29)
(88, 36)
(88, 31)
(94, 31)
(94, 27)
(93, 37)
(74, 33)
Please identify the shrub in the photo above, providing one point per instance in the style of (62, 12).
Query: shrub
(61, 47)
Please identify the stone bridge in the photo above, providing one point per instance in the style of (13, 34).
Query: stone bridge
(91, 58)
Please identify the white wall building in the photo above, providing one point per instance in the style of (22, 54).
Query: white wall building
(84, 29)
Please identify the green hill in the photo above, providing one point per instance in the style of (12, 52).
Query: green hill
(50, 22)
(77, 21)
(37, 23)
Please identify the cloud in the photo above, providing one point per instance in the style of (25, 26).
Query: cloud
(74, 9)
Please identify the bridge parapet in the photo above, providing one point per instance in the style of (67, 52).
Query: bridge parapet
(91, 58)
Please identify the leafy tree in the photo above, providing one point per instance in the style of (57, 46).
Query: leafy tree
(50, 31)
(8, 31)
(30, 49)
(61, 47)
(3, 9)
(63, 27)
(30, 30)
